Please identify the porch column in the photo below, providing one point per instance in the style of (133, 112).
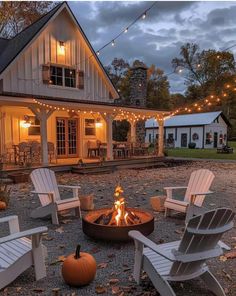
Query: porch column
(109, 119)
(43, 115)
(2, 133)
(44, 136)
(160, 152)
(133, 131)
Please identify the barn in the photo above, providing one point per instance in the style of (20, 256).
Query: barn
(206, 130)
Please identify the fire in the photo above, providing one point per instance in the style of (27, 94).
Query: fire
(119, 206)
(118, 215)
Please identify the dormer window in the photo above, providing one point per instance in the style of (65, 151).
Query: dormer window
(70, 77)
(62, 76)
(56, 75)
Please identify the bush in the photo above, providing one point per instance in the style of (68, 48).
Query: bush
(192, 145)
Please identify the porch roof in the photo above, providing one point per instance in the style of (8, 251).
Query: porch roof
(119, 111)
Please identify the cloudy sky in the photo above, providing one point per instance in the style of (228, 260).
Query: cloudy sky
(158, 38)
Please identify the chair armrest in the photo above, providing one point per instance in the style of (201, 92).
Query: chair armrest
(70, 186)
(138, 236)
(75, 189)
(177, 187)
(170, 189)
(195, 194)
(8, 218)
(13, 223)
(50, 195)
(30, 232)
(224, 246)
(202, 193)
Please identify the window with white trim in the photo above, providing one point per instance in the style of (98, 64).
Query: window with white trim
(62, 76)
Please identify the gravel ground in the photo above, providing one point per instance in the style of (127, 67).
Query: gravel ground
(116, 259)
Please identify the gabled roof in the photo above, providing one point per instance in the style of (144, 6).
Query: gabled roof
(14, 46)
(195, 119)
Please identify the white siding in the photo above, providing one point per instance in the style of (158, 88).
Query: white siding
(216, 127)
(25, 75)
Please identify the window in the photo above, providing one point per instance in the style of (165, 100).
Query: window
(56, 75)
(90, 127)
(170, 138)
(62, 76)
(70, 77)
(208, 138)
(34, 129)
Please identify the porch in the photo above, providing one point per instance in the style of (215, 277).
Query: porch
(61, 132)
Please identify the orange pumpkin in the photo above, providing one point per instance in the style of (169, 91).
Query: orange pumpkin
(79, 269)
(3, 205)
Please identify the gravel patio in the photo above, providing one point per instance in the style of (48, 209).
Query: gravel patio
(115, 260)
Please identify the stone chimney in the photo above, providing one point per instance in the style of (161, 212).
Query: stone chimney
(138, 94)
(138, 84)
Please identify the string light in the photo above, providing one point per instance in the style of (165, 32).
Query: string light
(144, 15)
(126, 30)
(118, 114)
(113, 43)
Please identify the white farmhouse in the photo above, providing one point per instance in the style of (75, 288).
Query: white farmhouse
(207, 130)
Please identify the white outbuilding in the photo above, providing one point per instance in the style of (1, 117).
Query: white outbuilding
(206, 130)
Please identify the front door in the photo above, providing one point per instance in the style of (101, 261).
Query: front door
(184, 140)
(67, 137)
(215, 140)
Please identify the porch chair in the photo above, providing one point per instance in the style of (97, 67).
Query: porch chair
(198, 187)
(47, 189)
(18, 253)
(186, 259)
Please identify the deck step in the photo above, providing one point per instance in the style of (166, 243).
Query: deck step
(93, 170)
(137, 164)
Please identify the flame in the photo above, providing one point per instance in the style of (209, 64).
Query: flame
(119, 206)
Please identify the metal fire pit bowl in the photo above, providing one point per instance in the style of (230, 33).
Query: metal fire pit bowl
(113, 232)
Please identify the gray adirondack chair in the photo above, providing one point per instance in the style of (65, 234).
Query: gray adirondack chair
(186, 259)
(47, 189)
(198, 187)
(18, 253)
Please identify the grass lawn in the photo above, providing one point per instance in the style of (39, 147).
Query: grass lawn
(202, 153)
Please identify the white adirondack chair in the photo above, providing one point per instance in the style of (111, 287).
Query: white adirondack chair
(186, 259)
(18, 253)
(46, 188)
(198, 187)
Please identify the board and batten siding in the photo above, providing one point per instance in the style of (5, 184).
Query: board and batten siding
(25, 74)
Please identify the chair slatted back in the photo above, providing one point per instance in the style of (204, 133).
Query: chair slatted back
(44, 180)
(202, 234)
(199, 182)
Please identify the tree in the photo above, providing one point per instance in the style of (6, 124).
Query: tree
(119, 73)
(157, 89)
(177, 100)
(205, 71)
(17, 15)
(209, 72)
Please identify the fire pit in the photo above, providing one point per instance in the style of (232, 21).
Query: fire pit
(115, 223)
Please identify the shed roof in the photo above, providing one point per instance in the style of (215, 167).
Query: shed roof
(194, 119)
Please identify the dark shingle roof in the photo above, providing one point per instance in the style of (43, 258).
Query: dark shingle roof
(3, 44)
(12, 47)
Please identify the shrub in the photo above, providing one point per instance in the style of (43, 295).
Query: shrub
(192, 145)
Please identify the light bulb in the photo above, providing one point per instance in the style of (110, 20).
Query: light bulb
(126, 30)
(113, 43)
(144, 15)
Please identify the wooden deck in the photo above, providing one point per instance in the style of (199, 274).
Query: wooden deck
(97, 167)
